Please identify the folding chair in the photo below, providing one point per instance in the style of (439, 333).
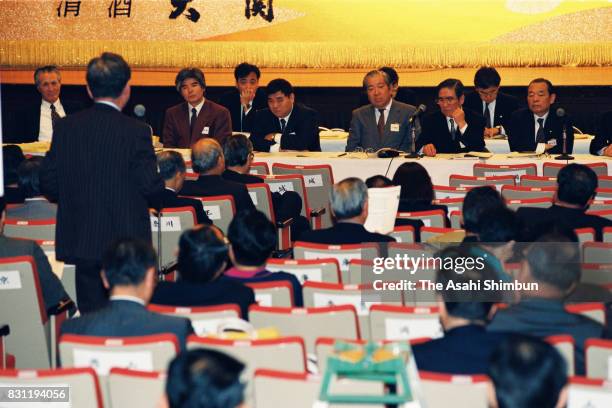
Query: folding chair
(459, 180)
(204, 319)
(308, 323)
(432, 218)
(36, 229)
(603, 194)
(585, 234)
(598, 358)
(538, 181)
(259, 168)
(601, 205)
(594, 311)
(64, 271)
(605, 213)
(317, 270)
(605, 181)
(444, 192)
(262, 199)
(174, 221)
(523, 193)
(447, 390)
(529, 202)
(81, 383)
(273, 293)
(285, 353)
(392, 322)
(597, 274)
(607, 234)
(295, 182)
(428, 233)
(550, 169)
(359, 271)
(597, 252)
(220, 209)
(318, 179)
(191, 176)
(565, 345)
(452, 204)
(405, 233)
(455, 219)
(516, 170)
(122, 383)
(342, 253)
(589, 392)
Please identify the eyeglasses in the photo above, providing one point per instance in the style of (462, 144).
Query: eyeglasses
(447, 99)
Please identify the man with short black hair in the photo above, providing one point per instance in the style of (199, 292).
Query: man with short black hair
(197, 117)
(476, 202)
(246, 98)
(601, 145)
(451, 129)
(128, 271)
(297, 125)
(238, 153)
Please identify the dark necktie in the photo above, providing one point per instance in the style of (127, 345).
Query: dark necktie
(192, 121)
(453, 129)
(540, 137)
(54, 116)
(487, 115)
(283, 124)
(381, 123)
(243, 115)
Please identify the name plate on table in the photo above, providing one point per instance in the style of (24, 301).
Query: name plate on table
(408, 329)
(10, 280)
(103, 361)
(313, 180)
(213, 211)
(167, 224)
(280, 188)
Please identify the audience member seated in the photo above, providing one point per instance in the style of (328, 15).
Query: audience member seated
(601, 145)
(403, 95)
(553, 264)
(477, 201)
(35, 207)
(527, 372)
(451, 129)
(576, 189)
(537, 124)
(496, 107)
(417, 191)
(384, 122)
(246, 99)
(297, 125)
(238, 154)
(197, 117)
(128, 271)
(202, 258)
(349, 206)
(12, 157)
(466, 345)
(204, 378)
(172, 169)
(52, 290)
(208, 161)
(378, 181)
(252, 240)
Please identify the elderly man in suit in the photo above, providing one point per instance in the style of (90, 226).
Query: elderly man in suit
(382, 123)
(197, 117)
(129, 273)
(101, 170)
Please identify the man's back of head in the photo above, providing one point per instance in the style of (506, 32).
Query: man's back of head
(237, 151)
(477, 201)
(28, 174)
(349, 198)
(207, 157)
(170, 163)
(107, 75)
(127, 262)
(576, 184)
(252, 238)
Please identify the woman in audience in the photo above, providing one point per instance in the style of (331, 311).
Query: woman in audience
(202, 259)
(35, 207)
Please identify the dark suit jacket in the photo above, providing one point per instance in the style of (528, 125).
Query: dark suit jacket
(13, 195)
(28, 121)
(124, 318)
(33, 209)
(170, 199)
(220, 291)
(543, 318)
(101, 168)
(236, 177)
(505, 105)
(206, 186)
(52, 289)
(267, 276)
(435, 130)
(522, 134)
(603, 137)
(462, 350)
(231, 100)
(537, 220)
(344, 233)
(212, 121)
(301, 132)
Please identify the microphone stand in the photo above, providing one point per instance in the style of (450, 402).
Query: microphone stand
(564, 155)
(413, 154)
(161, 276)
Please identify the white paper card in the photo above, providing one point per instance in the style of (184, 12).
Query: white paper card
(509, 172)
(253, 197)
(103, 361)
(581, 398)
(206, 130)
(382, 208)
(540, 148)
(280, 187)
(449, 194)
(303, 275)
(328, 299)
(10, 280)
(264, 299)
(408, 329)
(313, 180)
(213, 211)
(253, 171)
(610, 368)
(167, 224)
(395, 127)
(205, 326)
(343, 258)
(426, 221)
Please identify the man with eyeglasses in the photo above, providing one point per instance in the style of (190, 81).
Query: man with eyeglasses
(451, 129)
(496, 107)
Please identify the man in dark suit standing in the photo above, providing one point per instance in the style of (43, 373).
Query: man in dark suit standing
(452, 129)
(208, 161)
(246, 99)
(495, 106)
(601, 145)
(129, 273)
(197, 117)
(537, 125)
(382, 123)
(172, 169)
(35, 123)
(294, 125)
(101, 168)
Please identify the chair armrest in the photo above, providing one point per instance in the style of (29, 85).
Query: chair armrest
(5, 330)
(316, 217)
(64, 305)
(284, 224)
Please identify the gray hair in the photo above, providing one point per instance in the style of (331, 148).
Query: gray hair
(374, 73)
(205, 154)
(348, 198)
(46, 69)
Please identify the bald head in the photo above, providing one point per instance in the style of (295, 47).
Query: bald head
(207, 157)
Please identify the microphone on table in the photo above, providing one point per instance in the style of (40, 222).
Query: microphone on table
(139, 111)
(563, 156)
(413, 154)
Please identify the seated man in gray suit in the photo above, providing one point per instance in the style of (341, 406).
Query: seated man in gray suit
(128, 271)
(382, 123)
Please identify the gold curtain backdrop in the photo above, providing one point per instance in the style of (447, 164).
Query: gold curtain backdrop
(310, 33)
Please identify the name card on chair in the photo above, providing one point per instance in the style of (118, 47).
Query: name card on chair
(280, 188)
(10, 280)
(515, 173)
(325, 299)
(313, 180)
(343, 258)
(213, 211)
(167, 224)
(253, 197)
(408, 329)
(302, 275)
(264, 299)
(103, 361)
(205, 327)
(581, 397)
